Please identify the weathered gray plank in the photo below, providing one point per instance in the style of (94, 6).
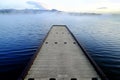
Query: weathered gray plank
(61, 57)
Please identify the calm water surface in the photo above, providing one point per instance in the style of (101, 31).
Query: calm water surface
(22, 34)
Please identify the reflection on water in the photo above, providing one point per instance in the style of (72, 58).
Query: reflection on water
(21, 35)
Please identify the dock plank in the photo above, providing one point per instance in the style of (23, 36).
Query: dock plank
(61, 57)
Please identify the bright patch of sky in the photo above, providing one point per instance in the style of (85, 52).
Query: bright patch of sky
(101, 6)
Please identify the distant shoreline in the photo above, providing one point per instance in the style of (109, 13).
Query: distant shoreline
(34, 11)
(38, 11)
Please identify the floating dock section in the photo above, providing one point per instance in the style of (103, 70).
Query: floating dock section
(61, 58)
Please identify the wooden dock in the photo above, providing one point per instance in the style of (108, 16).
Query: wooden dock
(61, 58)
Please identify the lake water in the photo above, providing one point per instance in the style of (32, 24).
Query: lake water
(22, 34)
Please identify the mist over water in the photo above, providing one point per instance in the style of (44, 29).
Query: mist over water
(22, 34)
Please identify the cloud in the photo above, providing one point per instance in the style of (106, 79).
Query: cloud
(36, 5)
(102, 8)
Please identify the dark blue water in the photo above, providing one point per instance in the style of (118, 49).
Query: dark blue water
(22, 34)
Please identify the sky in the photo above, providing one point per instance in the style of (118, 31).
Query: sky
(97, 6)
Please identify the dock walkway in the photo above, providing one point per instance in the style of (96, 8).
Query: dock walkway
(61, 58)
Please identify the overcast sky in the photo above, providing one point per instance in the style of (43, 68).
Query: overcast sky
(64, 5)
